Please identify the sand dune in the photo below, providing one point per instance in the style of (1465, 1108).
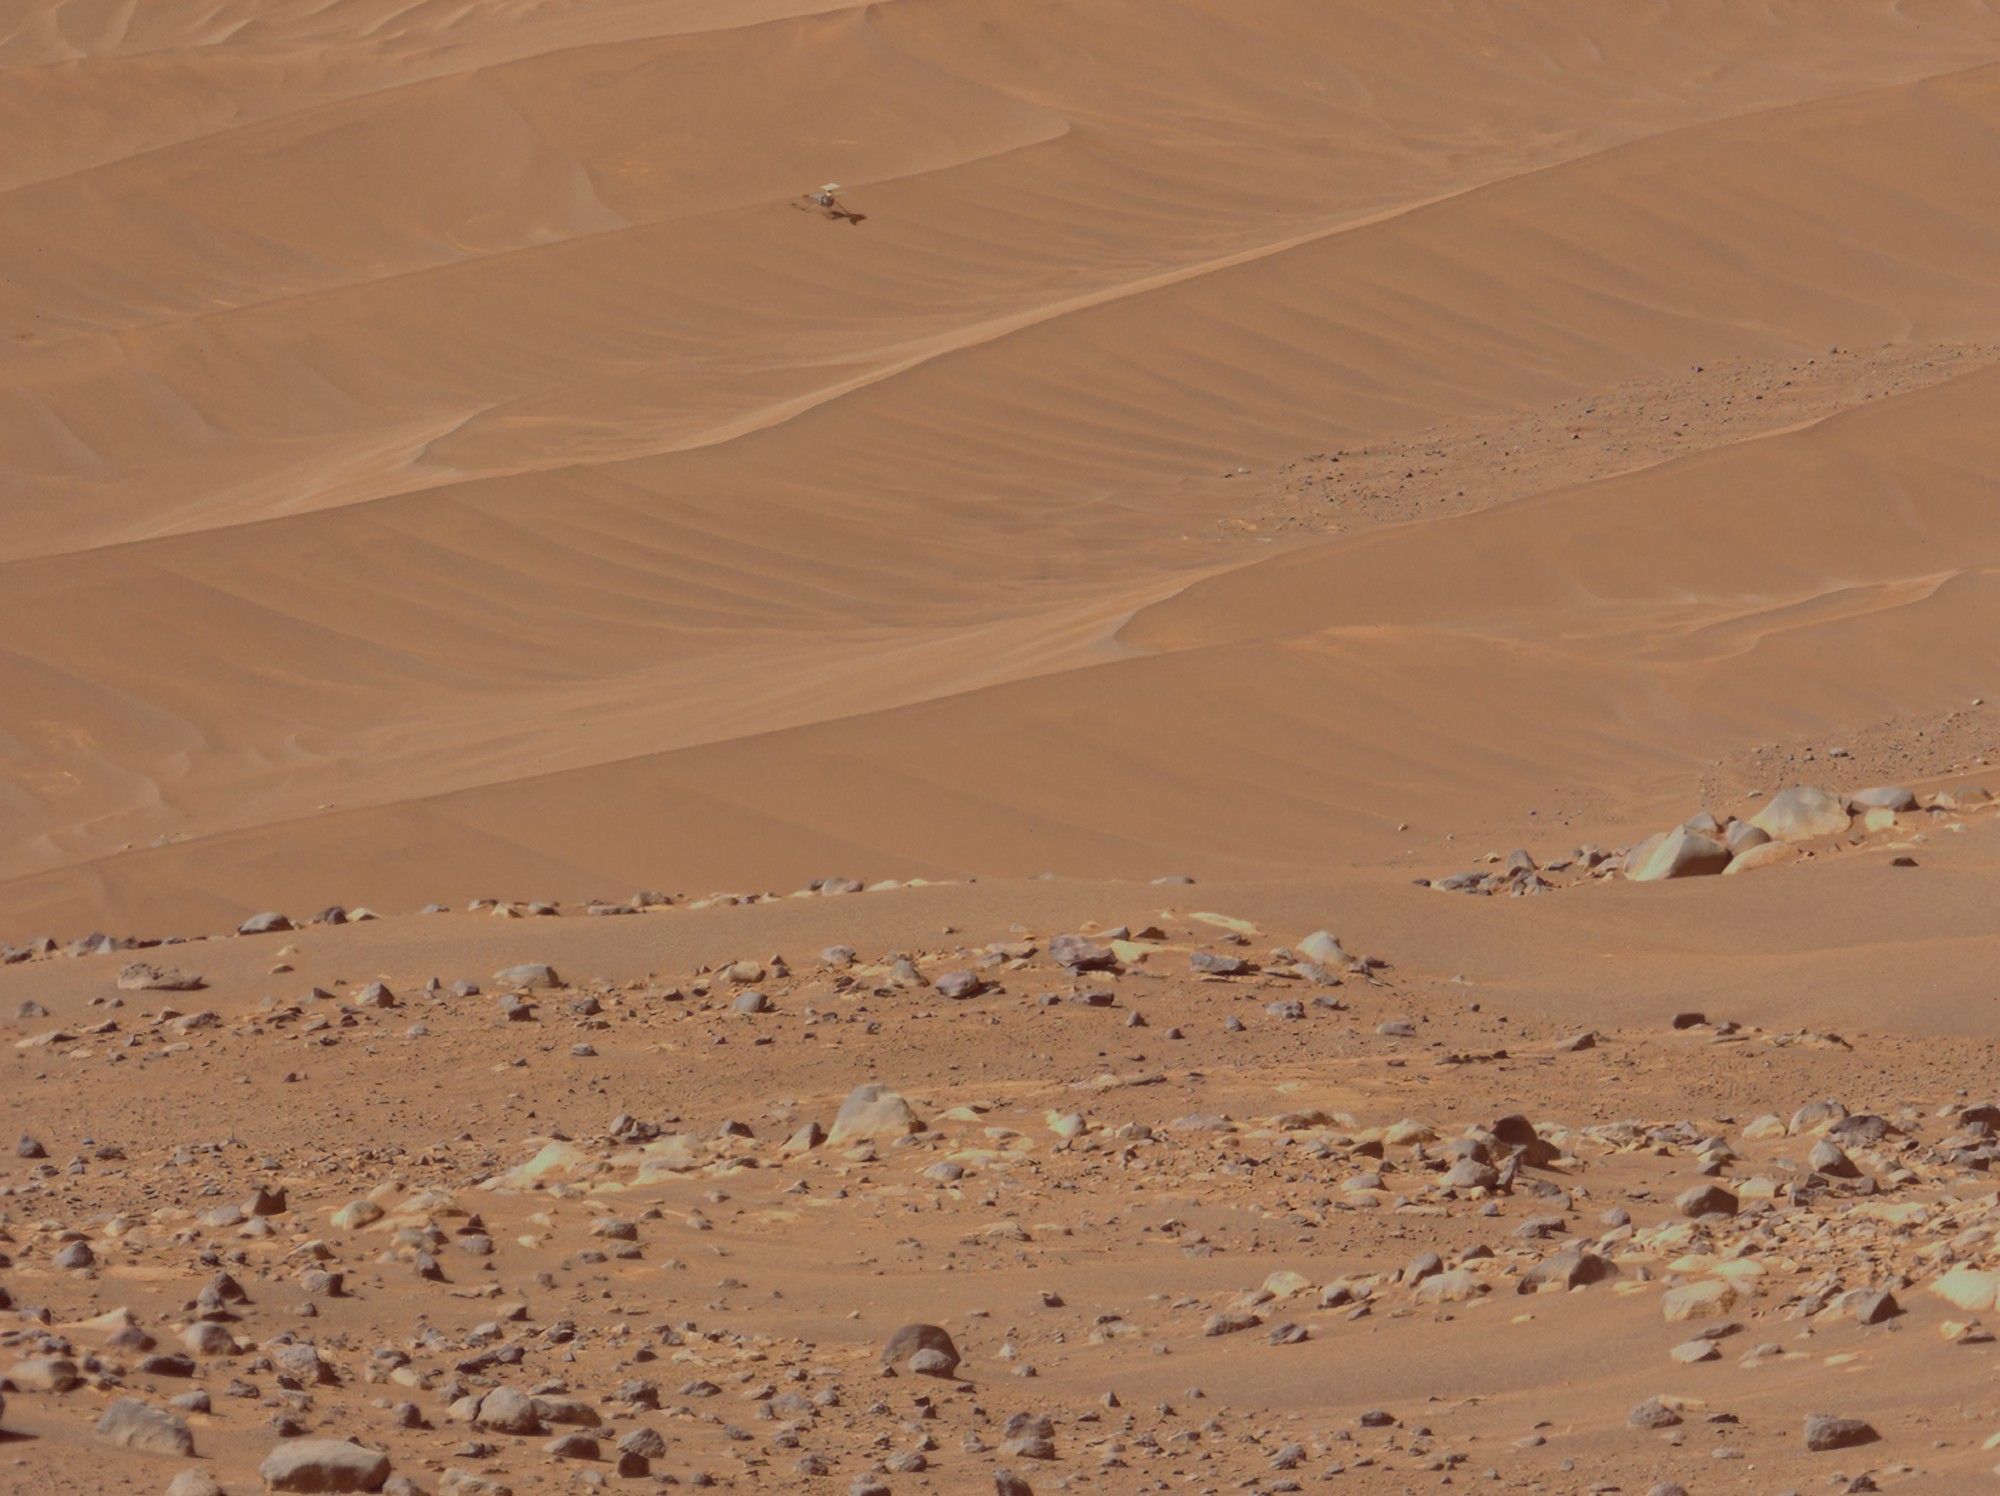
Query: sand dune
(939, 764)
(642, 464)
(1594, 648)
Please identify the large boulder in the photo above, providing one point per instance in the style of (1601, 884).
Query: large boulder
(1681, 853)
(268, 923)
(1802, 813)
(930, 1341)
(872, 1111)
(508, 1411)
(1640, 851)
(324, 1465)
(131, 1424)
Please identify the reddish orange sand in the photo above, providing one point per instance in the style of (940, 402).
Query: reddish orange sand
(1303, 447)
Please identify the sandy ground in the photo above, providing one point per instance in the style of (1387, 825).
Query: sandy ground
(1221, 473)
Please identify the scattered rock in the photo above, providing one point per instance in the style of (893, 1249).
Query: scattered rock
(323, 1465)
(914, 1340)
(872, 1111)
(1825, 1432)
(532, 975)
(129, 1423)
(1680, 853)
(137, 976)
(1802, 813)
(1653, 1414)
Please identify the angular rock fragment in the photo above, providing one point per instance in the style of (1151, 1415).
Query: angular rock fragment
(324, 1465)
(1825, 1432)
(530, 974)
(871, 1111)
(1680, 853)
(1802, 813)
(129, 1423)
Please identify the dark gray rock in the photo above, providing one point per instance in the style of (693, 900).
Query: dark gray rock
(1824, 1432)
(910, 1339)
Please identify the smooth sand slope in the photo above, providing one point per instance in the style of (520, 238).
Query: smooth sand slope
(401, 466)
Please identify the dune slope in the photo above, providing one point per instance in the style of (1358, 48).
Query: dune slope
(436, 520)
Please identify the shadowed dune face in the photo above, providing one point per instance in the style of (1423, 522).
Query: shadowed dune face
(440, 451)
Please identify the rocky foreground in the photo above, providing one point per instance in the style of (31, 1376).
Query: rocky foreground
(943, 1200)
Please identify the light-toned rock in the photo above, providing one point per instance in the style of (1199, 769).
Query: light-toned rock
(508, 1410)
(43, 1374)
(1975, 1290)
(324, 1465)
(1765, 854)
(356, 1214)
(1681, 853)
(1890, 797)
(531, 974)
(1741, 836)
(1802, 813)
(870, 1111)
(1323, 947)
(207, 1338)
(1697, 1300)
(1283, 1283)
(1451, 1287)
(553, 1160)
(131, 1424)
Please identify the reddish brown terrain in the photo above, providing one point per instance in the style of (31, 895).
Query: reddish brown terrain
(1262, 766)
